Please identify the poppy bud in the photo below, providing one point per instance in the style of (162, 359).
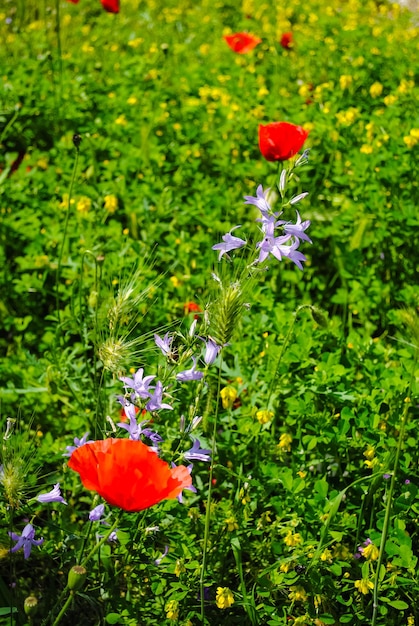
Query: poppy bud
(77, 140)
(76, 577)
(30, 606)
(319, 317)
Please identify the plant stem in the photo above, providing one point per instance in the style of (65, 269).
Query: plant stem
(208, 508)
(71, 595)
(67, 217)
(389, 505)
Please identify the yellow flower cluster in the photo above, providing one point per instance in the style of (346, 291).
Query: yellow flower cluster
(172, 610)
(264, 416)
(224, 598)
(228, 395)
(364, 585)
(412, 138)
(292, 539)
(285, 441)
(298, 594)
(111, 203)
(231, 524)
(346, 118)
(376, 90)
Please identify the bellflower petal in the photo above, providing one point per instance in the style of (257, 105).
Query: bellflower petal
(229, 243)
(52, 496)
(192, 374)
(26, 540)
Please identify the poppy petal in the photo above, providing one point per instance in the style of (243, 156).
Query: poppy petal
(279, 141)
(127, 473)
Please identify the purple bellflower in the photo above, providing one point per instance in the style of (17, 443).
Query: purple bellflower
(52, 496)
(190, 488)
(77, 443)
(97, 513)
(164, 344)
(211, 351)
(26, 540)
(139, 384)
(297, 229)
(192, 374)
(260, 200)
(196, 453)
(155, 403)
(229, 243)
(160, 559)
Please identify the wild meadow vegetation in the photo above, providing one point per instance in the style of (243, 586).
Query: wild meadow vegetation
(209, 312)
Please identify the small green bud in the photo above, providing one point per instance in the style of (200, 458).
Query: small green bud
(30, 606)
(319, 317)
(76, 577)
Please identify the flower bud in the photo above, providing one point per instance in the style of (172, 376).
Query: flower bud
(319, 317)
(76, 577)
(30, 606)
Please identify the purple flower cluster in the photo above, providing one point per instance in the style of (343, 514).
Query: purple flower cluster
(279, 243)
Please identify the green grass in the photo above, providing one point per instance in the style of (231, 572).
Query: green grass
(310, 411)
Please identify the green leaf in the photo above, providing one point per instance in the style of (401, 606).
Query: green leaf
(398, 604)
(113, 618)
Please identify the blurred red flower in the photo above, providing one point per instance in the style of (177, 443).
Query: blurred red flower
(280, 141)
(111, 6)
(127, 473)
(241, 42)
(192, 307)
(74, 1)
(287, 41)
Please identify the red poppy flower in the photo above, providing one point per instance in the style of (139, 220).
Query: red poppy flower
(127, 473)
(287, 40)
(74, 1)
(279, 141)
(192, 307)
(241, 42)
(111, 6)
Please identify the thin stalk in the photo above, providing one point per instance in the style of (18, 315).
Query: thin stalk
(285, 343)
(59, 48)
(71, 595)
(67, 218)
(389, 506)
(208, 509)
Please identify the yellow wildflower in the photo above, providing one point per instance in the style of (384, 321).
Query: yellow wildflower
(228, 395)
(285, 441)
(369, 452)
(376, 90)
(285, 567)
(364, 585)
(410, 621)
(132, 100)
(264, 416)
(292, 539)
(389, 100)
(224, 598)
(111, 203)
(172, 610)
(298, 594)
(84, 204)
(366, 149)
(345, 81)
(64, 202)
(405, 85)
(370, 552)
(121, 120)
(410, 141)
(346, 118)
(179, 568)
(175, 281)
(231, 524)
(326, 555)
